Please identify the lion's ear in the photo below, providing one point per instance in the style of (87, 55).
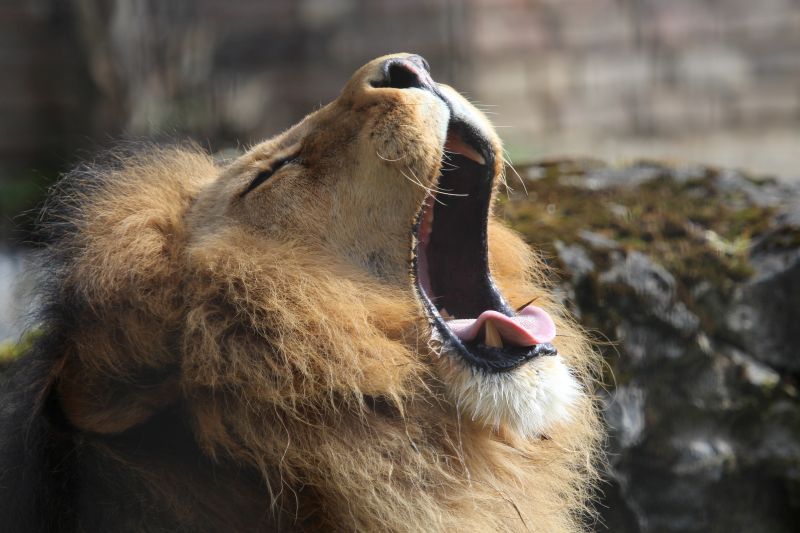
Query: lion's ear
(117, 284)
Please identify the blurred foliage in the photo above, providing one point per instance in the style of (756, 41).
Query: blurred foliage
(20, 198)
(10, 350)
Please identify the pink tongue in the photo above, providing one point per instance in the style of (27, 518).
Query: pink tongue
(530, 327)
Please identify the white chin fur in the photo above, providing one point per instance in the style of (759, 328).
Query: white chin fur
(527, 401)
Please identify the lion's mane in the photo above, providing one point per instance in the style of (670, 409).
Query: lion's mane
(298, 378)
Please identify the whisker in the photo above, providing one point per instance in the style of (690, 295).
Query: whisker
(435, 188)
(526, 304)
(448, 163)
(430, 191)
(390, 160)
(504, 181)
(439, 190)
(506, 159)
(415, 180)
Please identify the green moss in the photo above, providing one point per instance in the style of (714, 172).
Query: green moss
(9, 351)
(694, 231)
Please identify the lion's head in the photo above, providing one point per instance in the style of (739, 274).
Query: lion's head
(337, 310)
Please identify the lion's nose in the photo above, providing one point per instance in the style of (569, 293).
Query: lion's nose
(405, 73)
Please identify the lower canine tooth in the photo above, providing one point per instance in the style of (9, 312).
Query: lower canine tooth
(492, 336)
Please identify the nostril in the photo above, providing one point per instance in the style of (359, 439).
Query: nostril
(404, 73)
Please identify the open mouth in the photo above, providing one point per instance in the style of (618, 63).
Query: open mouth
(451, 265)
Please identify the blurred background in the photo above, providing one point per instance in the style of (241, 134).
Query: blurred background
(715, 82)
(711, 81)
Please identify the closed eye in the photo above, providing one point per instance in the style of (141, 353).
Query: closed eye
(267, 173)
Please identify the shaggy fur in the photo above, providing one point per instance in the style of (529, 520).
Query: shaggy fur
(221, 360)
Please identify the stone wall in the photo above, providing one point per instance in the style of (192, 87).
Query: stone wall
(639, 67)
(701, 80)
(587, 76)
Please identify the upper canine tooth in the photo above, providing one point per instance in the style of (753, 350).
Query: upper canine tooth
(492, 336)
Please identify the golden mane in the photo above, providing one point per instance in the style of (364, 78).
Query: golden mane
(293, 363)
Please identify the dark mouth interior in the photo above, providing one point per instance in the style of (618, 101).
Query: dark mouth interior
(452, 265)
(457, 258)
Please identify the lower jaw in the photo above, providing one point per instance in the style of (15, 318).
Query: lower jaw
(528, 402)
(474, 354)
(450, 264)
(484, 358)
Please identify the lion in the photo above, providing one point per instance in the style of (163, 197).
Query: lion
(331, 332)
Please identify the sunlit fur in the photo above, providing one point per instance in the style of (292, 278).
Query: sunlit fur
(529, 401)
(285, 323)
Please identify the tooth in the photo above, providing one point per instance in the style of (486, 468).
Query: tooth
(445, 314)
(492, 336)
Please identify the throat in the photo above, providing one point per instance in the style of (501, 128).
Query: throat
(456, 247)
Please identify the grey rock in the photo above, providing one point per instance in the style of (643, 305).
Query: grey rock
(654, 287)
(630, 176)
(703, 410)
(598, 241)
(689, 173)
(702, 456)
(649, 279)
(646, 343)
(766, 312)
(624, 414)
(757, 374)
(575, 260)
(769, 193)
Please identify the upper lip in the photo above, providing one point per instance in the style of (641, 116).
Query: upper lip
(450, 260)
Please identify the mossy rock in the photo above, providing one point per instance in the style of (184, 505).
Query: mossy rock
(689, 277)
